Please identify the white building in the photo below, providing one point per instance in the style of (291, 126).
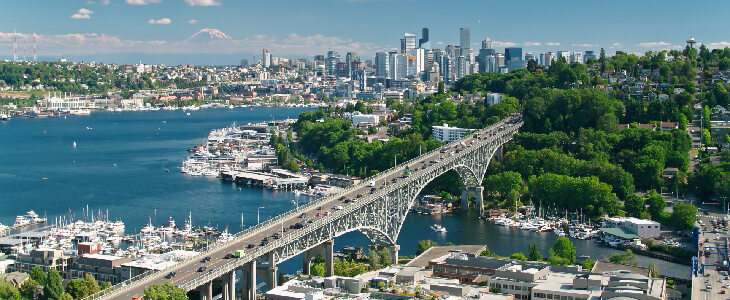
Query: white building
(642, 228)
(493, 98)
(448, 134)
(357, 119)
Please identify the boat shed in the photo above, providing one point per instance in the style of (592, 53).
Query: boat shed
(7, 244)
(620, 232)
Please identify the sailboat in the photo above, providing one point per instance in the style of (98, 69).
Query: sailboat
(74, 144)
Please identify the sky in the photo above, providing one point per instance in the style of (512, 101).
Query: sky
(159, 31)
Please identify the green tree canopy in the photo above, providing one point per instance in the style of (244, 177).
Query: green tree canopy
(564, 248)
(165, 291)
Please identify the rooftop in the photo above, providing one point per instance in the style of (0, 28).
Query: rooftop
(620, 232)
(439, 251)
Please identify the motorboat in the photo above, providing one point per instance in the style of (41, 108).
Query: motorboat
(20, 221)
(438, 228)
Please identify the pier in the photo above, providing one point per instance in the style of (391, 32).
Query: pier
(269, 180)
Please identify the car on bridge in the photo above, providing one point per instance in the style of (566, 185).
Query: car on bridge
(250, 246)
(171, 275)
(229, 256)
(205, 259)
(337, 207)
(202, 269)
(303, 215)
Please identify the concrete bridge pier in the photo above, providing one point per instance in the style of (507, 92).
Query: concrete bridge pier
(206, 291)
(393, 249)
(499, 153)
(477, 191)
(230, 286)
(268, 273)
(248, 281)
(326, 249)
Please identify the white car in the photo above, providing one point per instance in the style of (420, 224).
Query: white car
(338, 207)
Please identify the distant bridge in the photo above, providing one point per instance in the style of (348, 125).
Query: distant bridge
(379, 216)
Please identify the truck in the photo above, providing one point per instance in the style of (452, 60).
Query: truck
(372, 183)
(239, 253)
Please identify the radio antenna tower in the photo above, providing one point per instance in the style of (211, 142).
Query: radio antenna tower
(34, 55)
(15, 45)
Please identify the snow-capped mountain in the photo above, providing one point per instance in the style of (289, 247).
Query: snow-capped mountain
(208, 35)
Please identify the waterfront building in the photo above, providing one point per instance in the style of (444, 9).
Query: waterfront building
(102, 267)
(448, 134)
(465, 42)
(641, 228)
(46, 259)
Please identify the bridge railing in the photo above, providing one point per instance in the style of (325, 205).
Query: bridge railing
(238, 237)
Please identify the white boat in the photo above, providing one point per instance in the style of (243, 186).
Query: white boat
(79, 112)
(438, 228)
(148, 229)
(210, 172)
(503, 221)
(33, 217)
(20, 221)
(169, 227)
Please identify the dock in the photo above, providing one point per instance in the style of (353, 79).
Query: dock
(280, 179)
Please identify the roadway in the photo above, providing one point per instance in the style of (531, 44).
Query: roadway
(189, 270)
(717, 281)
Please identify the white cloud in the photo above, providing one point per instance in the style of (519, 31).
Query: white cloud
(717, 45)
(82, 14)
(653, 44)
(193, 22)
(503, 44)
(141, 2)
(101, 2)
(584, 45)
(160, 21)
(552, 44)
(439, 43)
(203, 2)
(617, 44)
(528, 44)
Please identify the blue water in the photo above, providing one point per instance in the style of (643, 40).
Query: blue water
(120, 165)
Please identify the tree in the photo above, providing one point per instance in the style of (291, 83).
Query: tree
(8, 291)
(424, 245)
(683, 216)
(656, 204)
(385, 259)
(626, 258)
(531, 66)
(165, 291)
(705, 136)
(653, 271)
(682, 119)
(634, 205)
(29, 289)
(533, 253)
(374, 259)
(38, 275)
(564, 248)
(372, 130)
(53, 290)
(441, 87)
(281, 279)
(588, 264)
(77, 288)
(318, 270)
(518, 256)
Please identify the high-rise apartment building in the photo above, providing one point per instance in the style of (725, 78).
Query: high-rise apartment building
(465, 42)
(576, 57)
(332, 59)
(266, 58)
(382, 62)
(565, 55)
(589, 55)
(398, 66)
(529, 56)
(424, 42)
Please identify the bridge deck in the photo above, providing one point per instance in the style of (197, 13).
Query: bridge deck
(187, 276)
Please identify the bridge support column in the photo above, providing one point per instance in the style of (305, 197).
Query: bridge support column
(271, 280)
(393, 249)
(477, 191)
(248, 281)
(231, 285)
(326, 249)
(499, 152)
(209, 291)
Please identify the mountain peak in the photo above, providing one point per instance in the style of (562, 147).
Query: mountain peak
(208, 35)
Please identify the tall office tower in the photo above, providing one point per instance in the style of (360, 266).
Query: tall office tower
(332, 59)
(489, 62)
(244, 63)
(416, 59)
(451, 51)
(487, 44)
(319, 57)
(465, 42)
(429, 57)
(447, 69)
(576, 57)
(381, 65)
(498, 61)
(484, 55)
(266, 58)
(349, 58)
(589, 55)
(513, 58)
(461, 67)
(407, 43)
(424, 42)
(565, 55)
(398, 65)
(438, 57)
(529, 56)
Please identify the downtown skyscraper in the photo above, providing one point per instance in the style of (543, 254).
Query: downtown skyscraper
(465, 42)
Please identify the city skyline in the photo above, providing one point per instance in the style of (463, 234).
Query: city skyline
(149, 30)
